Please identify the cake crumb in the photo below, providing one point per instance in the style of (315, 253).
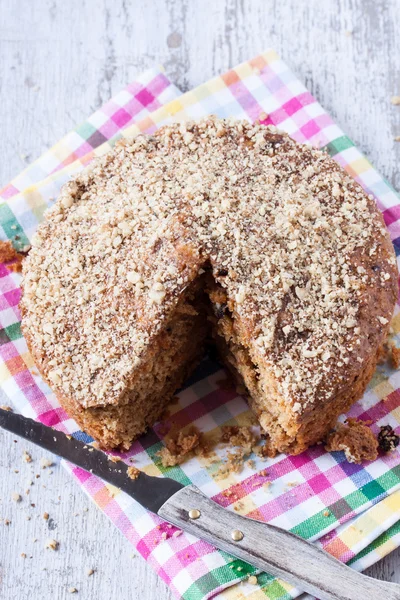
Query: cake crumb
(355, 439)
(7, 408)
(52, 544)
(90, 572)
(388, 440)
(177, 449)
(45, 462)
(395, 100)
(26, 457)
(252, 580)
(46, 516)
(239, 436)
(8, 253)
(397, 138)
(16, 497)
(133, 472)
(395, 355)
(23, 555)
(7, 522)
(326, 513)
(72, 590)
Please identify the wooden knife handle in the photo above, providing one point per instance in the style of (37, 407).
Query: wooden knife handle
(273, 550)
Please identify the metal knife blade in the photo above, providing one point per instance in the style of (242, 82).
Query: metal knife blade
(269, 548)
(150, 492)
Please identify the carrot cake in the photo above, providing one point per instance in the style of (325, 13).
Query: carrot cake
(214, 226)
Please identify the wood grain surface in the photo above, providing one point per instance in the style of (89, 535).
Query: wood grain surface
(59, 61)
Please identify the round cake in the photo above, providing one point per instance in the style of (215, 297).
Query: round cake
(221, 228)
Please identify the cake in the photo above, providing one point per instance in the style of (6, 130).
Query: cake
(212, 228)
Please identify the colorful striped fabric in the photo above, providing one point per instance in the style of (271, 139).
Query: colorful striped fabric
(351, 509)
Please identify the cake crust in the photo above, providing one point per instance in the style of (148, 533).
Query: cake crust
(298, 249)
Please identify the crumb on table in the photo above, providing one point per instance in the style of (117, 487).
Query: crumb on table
(52, 544)
(26, 457)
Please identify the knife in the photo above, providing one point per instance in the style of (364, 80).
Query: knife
(265, 546)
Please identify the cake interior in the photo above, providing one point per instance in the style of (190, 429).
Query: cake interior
(169, 361)
(275, 417)
(204, 313)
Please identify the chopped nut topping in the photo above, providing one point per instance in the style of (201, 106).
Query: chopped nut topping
(283, 221)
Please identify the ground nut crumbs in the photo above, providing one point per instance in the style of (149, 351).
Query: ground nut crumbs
(16, 497)
(297, 236)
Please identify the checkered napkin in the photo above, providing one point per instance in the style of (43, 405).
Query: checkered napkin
(352, 510)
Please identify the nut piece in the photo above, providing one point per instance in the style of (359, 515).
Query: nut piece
(52, 544)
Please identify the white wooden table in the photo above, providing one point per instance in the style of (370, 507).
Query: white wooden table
(58, 62)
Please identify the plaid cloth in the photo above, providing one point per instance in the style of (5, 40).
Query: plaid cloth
(316, 495)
